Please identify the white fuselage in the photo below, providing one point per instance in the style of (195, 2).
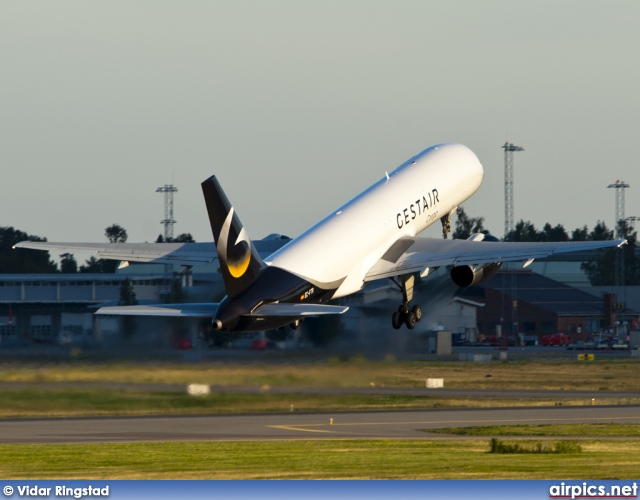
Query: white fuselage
(340, 249)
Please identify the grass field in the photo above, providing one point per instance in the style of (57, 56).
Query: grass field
(49, 396)
(609, 451)
(79, 402)
(550, 374)
(582, 430)
(349, 459)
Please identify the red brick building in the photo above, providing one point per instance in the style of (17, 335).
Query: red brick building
(543, 306)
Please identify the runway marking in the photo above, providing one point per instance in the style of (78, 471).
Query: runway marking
(300, 428)
(296, 428)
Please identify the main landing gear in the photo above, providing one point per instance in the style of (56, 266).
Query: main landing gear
(405, 313)
(446, 225)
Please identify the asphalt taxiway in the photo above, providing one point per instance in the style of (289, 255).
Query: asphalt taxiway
(414, 424)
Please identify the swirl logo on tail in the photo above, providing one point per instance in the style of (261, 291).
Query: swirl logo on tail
(238, 257)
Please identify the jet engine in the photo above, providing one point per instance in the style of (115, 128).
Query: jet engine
(467, 275)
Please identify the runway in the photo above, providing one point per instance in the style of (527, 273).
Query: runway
(413, 424)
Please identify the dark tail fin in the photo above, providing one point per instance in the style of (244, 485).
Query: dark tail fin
(240, 263)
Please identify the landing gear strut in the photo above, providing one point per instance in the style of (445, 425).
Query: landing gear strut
(446, 225)
(405, 313)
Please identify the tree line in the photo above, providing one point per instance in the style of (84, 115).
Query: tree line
(601, 269)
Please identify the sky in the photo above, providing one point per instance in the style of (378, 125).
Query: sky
(299, 105)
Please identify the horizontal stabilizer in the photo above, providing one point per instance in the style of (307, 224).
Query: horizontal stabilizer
(293, 310)
(206, 310)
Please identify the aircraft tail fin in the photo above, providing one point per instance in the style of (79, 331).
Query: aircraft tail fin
(240, 262)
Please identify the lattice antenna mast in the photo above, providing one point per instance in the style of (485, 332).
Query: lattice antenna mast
(619, 186)
(168, 190)
(508, 185)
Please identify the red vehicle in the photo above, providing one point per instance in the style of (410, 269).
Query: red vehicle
(561, 339)
(258, 345)
(490, 339)
(498, 341)
(180, 340)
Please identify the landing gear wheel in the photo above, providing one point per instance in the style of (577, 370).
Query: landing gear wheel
(405, 313)
(417, 310)
(396, 320)
(411, 320)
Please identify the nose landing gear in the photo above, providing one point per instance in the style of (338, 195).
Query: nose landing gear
(405, 313)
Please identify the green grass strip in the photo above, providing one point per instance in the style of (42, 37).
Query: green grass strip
(68, 402)
(593, 430)
(65, 402)
(309, 459)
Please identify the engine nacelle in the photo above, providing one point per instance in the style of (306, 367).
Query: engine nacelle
(467, 275)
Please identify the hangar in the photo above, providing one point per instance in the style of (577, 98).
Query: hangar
(545, 306)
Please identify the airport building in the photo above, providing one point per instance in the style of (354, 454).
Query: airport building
(59, 308)
(533, 305)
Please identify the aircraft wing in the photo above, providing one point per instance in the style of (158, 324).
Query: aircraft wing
(284, 309)
(411, 255)
(192, 310)
(188, 254)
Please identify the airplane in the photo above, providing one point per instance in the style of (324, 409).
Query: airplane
(371, 237)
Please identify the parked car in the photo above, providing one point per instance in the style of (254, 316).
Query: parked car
(258, 345)
(559, 339)
(181, 340)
